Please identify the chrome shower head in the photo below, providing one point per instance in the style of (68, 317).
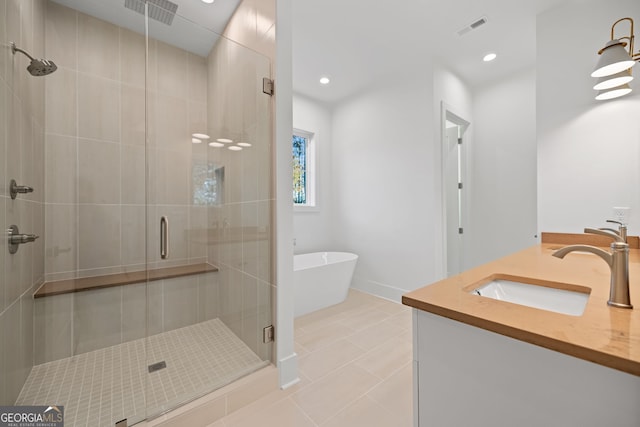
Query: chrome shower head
(37, 67)
(41, 67)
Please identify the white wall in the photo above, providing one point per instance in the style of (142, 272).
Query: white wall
(385, 160)
(313, 229)
(588, 151)
(383, 172)
(503, 173)
(286, 356)
(380, 187)
(385, 189)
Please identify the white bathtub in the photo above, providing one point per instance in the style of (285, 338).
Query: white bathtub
(321, 279)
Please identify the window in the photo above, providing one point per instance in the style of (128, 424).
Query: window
(304, 168)
(208, 180)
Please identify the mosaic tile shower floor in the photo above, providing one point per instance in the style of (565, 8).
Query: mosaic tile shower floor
(104, 386)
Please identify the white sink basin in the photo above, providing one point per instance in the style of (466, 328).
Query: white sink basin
(542, 297)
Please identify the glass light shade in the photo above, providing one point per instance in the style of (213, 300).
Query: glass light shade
(244, 144)
(225, 140)
(200, 135)
(616, 92)
(216, 144)
(614, 58)
(234, 148)
(615, 80)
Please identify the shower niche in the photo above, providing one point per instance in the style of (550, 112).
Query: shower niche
(152, 112)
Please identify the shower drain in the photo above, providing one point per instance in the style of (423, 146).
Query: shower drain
(157, 366)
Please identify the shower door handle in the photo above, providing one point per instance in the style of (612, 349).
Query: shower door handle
(164, 237)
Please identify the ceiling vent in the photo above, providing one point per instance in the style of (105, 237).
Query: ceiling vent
(160, 10)
(473, 26)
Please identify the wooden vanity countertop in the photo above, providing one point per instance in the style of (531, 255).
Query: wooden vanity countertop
(605, 335)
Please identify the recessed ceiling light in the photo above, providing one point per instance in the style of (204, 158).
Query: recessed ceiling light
(207, 1)
(234, 148)
(244, 144)
(216, 144)
(225, 140)
(489, 57)
(325, 80)
(200, 135)
(196, 140)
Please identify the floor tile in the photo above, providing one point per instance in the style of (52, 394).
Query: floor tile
(355, 369)
(264, 402)
(395, 394)
(325, 336)
(364, 412)
(364, 319)
(300, 350)
(323, 398)
(375, 335)
(114, 382)
(392, 307)
(284, 413)
(387, 358)
(402, 319)
(319, 363)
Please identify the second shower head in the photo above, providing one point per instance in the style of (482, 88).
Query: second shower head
(37, 67)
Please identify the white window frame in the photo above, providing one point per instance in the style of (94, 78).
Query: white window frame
(312, 172)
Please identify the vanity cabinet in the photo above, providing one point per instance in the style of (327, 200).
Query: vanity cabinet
(467, 376)
(484, 362)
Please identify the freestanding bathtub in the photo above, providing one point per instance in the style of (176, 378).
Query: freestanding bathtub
(321, 279)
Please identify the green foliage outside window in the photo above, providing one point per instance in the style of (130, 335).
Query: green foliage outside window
(299, 170)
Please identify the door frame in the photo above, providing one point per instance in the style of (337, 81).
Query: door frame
(450, 113)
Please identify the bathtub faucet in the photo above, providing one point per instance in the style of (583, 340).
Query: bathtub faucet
(617, 260)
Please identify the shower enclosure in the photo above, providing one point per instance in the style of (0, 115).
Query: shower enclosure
(148, 146)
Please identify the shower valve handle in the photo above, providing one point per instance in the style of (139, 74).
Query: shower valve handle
(14, 189)
(22, 238)
(15, 238)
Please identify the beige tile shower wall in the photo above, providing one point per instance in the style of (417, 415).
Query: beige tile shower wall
(242, 222)
(98, 202)
(254, 25)
(22, 158)
(72, 324)
(95, 148)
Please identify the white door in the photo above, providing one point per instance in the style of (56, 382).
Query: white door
(454, 188)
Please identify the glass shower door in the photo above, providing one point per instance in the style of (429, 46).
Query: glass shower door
(148, 132)
(208, 212)
(89, 317)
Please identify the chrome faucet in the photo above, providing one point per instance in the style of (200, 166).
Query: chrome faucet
(617, 260)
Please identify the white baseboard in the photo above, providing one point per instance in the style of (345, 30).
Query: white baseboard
(288, 371)
(378, 289)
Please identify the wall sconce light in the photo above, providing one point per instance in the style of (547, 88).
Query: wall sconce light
(614, 66)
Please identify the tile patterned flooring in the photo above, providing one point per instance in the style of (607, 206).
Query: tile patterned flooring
(104, 386)
(355, 362)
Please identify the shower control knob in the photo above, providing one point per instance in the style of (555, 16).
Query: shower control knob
(14, 189)
(15, 238)
(22, 238)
